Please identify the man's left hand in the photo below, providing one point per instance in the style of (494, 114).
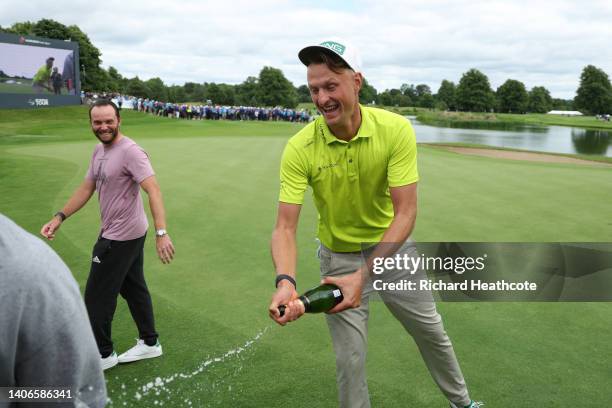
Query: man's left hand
(165, 249)
(351, 286)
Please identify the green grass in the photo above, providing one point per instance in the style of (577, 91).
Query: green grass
(220, 180)
(506, 121)
(587, 157)
(24, 88)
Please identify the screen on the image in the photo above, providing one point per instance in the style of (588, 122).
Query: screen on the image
(27, 69)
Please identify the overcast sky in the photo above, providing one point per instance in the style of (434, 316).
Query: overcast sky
(543, 43)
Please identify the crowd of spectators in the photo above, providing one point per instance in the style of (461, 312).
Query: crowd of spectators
(216, 112)
(203, 111)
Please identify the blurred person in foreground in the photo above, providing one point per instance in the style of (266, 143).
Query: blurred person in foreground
(45, 335)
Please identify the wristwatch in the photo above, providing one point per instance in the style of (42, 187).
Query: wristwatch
(61, 215)
(284, 277)
(161, 232)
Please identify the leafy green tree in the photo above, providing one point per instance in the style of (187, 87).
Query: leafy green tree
(247, 92)
(193, 92)
(24, 28)
(157, 89)
(594, 95)
(422, 89)
(220, 94)
(228, 94)
(562, 104)
(89, 58)
(116, 82)
(405, 100)
(393, 97)
(51, 29)
(303, 94)
(512, 97)
(539, 100)
(447, 95)
(440, 105)
(424, 98)
(138, 88)
(426, 101)
(368, 93)
(176, 94)
(410, 91)
(385, 98)
(212, 92)
(275, 89)
(474, 92)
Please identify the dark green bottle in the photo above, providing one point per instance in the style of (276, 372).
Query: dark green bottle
(319, 299)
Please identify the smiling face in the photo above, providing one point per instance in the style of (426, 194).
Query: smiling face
(105, 124)
(335, 94)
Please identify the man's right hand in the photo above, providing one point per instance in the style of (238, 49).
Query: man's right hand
(48, 230)
(284, 294)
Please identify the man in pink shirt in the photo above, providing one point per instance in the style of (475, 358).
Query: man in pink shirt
(118, 169)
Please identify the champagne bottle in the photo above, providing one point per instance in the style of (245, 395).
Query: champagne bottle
(319, 299)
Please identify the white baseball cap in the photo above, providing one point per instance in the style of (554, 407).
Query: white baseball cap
(342, 48)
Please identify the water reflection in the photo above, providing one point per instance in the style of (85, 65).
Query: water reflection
(552, 139)
(507, 126)
(591, 141)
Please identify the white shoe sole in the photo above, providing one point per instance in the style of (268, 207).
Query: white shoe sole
(109, 363)
(130, 359)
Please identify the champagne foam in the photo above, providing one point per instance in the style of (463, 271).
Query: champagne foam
(161, 384)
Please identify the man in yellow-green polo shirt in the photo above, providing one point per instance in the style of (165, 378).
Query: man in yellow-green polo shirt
(361, 164)
(42, 79)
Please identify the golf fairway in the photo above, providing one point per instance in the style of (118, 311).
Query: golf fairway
(220, 185)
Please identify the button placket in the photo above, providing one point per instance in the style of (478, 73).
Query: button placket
(350, 159)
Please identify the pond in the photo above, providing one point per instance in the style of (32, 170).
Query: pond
(550, 139)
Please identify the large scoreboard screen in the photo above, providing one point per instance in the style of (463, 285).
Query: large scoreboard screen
(37, 72)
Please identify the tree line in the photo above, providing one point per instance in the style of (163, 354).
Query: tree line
(472, 93)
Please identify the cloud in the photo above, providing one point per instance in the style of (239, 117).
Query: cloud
(538, 42)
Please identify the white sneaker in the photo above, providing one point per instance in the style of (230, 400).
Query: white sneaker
(473, 404)
(141, 351)
(110, 361)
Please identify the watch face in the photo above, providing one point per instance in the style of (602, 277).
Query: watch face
(160, 232)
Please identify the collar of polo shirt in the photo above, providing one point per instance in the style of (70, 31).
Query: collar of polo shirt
(365, 130)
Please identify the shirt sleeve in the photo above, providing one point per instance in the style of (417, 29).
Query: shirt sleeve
(138, 164)
(293, 177)
(402, 167)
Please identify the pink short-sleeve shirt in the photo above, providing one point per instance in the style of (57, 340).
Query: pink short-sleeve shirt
(118, 170)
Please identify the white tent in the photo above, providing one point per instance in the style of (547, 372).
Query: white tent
(565, 113)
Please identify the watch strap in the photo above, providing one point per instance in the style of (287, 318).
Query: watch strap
(282, 276)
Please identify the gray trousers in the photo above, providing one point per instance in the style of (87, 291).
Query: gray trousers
(349, 331)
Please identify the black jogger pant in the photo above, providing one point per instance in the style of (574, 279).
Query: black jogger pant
(117, 268)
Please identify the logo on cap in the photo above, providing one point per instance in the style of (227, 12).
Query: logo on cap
(334, 46)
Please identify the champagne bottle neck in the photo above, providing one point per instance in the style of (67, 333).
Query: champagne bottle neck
(306, 302)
